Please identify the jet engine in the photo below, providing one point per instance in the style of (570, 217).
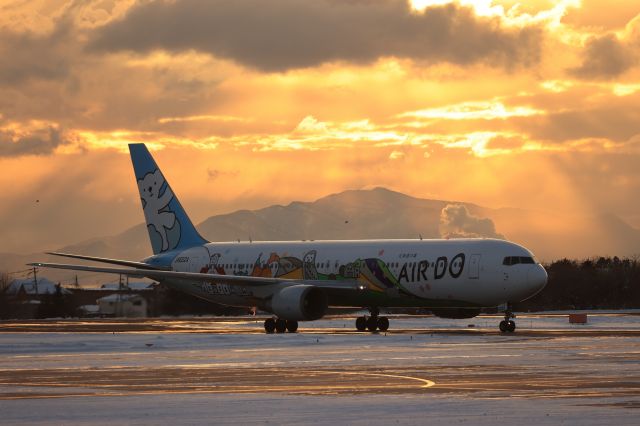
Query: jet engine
(300, 302)
(456, 313)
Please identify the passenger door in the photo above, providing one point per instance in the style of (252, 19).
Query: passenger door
(474, 266)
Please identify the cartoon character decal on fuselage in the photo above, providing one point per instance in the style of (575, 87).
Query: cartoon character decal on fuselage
(309, 270)
(213, 267)
(162, 223)
(375, 273)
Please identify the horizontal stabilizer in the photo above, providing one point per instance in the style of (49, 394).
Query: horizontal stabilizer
(131, 264)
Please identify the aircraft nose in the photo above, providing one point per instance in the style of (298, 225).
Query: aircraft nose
(536, 278)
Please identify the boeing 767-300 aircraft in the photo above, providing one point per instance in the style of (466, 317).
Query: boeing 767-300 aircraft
(299, 281)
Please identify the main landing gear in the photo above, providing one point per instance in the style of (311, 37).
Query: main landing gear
(280, 325)
(507, 325)
(372, 323)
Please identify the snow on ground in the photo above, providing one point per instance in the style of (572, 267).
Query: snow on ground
(316, 410)
(609, 364)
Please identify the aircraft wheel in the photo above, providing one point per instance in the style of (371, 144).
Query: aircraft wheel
(503, 326)
(372, 323)
(292, 326)
(361, 323)
(383, 323)
(269, 325)
(511, 326)
(281, 325)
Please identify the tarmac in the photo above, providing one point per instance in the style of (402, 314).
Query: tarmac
(578, 373)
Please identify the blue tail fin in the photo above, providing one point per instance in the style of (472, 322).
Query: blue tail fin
(168, 225)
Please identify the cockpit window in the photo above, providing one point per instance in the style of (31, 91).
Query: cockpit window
(514, 260)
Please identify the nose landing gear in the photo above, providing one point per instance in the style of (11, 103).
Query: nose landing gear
(507, 325)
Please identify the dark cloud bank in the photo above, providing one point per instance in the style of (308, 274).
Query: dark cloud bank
(605, 58)
(39, 142)
(279, 35)
(26, 56)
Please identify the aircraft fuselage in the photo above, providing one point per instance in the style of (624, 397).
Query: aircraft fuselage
(390, 273)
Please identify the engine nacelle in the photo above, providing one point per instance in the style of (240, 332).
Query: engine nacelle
(456, 313)
(300, 302)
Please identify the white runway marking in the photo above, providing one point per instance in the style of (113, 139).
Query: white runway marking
(425, 383)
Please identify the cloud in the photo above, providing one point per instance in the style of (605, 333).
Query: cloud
(280, 35)
(479, 110)
(26, 55)
(501, 142)
(618, 121)
(457, 222)
(396, 155)
(215, 174)
(604, 58)
(41, 141)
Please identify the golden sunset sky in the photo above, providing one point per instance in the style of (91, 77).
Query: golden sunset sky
(533, 104)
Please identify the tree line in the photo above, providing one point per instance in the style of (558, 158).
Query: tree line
(595, 283)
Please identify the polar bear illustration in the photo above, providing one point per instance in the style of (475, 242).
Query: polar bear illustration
(153, 203)
(309, 271)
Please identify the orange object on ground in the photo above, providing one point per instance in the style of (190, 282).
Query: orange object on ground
(577, 318)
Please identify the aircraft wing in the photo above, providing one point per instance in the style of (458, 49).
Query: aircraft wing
(199, 277)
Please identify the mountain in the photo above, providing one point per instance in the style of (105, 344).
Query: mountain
(355, 214)
(377, 213)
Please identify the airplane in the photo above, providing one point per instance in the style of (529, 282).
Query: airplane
(300, 280)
